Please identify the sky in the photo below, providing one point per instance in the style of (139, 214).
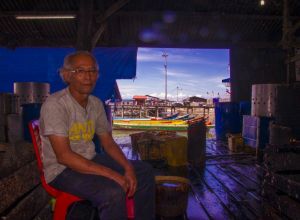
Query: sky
(190, 72)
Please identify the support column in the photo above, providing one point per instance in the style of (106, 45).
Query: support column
(84, 25)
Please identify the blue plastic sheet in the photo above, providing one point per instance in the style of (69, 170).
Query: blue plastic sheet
(42, 64)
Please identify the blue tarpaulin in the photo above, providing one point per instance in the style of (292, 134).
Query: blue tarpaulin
(42, 64)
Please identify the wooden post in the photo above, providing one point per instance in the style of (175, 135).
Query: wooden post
(140, 111)
(85, 24)
(288, 40)
(103, 18)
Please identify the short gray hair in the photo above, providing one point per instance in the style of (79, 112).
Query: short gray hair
(68, 58)
(68, 63)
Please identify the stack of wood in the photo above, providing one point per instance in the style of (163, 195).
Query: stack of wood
(281, 185)
(22, 196)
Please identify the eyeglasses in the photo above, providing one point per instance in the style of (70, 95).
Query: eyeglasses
(81, 72)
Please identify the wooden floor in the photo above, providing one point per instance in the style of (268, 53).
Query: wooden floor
(229, 187)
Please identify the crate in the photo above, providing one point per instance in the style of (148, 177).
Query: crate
(235, 142)
(156, 145)
(256, 131)
(174, 150)
(281, 182)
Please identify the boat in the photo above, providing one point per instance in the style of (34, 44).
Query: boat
(183, 117)
(171, 117)
(160, 125)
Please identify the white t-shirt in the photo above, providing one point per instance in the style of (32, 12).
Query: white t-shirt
(62, 115)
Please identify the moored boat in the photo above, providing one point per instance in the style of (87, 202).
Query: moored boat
(162, 125)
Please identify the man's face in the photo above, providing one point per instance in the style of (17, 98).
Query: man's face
(83, 75)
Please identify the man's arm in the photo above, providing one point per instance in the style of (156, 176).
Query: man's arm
(113, 150)
(69, 158)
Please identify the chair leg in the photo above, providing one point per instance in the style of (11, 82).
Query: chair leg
(61, 207)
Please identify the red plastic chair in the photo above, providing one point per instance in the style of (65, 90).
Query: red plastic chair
(63, 199)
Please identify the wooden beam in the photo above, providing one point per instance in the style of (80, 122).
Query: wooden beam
(110, 11)
(85, 23)
(99, 15)
(17, 184)
(295, 27)
(293, 59)
(45, 214)
(14, 159)
(30, 206)
(199, 15)
(25, 13)
(199, 43)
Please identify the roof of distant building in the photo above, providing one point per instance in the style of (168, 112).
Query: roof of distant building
(195, 99)
(140, 97)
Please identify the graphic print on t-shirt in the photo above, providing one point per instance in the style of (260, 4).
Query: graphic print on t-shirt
(82, 131)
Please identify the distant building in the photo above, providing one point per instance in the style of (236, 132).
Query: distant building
(195, 101)
(146, 100)
(127, 102)
(140, 99)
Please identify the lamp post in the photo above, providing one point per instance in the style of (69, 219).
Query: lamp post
(165, 55)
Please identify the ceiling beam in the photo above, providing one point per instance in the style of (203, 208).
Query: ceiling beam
(68, 42)
(102, 19)
(85, 24)
(111, 10)
(35, 13)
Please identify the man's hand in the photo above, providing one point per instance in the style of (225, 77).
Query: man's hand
(131, 179)
(123, 182)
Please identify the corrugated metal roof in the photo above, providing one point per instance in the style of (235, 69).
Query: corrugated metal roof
(180, 23)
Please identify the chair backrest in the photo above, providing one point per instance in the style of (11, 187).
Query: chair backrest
(36, 141)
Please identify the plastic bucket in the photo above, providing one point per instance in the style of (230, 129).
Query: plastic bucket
(171, 195)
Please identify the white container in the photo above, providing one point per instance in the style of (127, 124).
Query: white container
(263, 99)
(31, 92)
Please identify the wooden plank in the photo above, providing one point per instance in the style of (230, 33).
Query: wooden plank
(17, 184)
(215, 148)
(248, 184)
(287, 182)
(270, 212)
(232, 204)
(282, 161)
(282, 148)
(194, 210)
(29, 206)
(15, 157)
(237, 190)
(254, 172)
(212, 205)
(253, 189)
(283, 203)
(3, 147)
(45, 213)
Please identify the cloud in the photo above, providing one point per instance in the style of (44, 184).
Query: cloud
(191, 56)
(174, 72)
